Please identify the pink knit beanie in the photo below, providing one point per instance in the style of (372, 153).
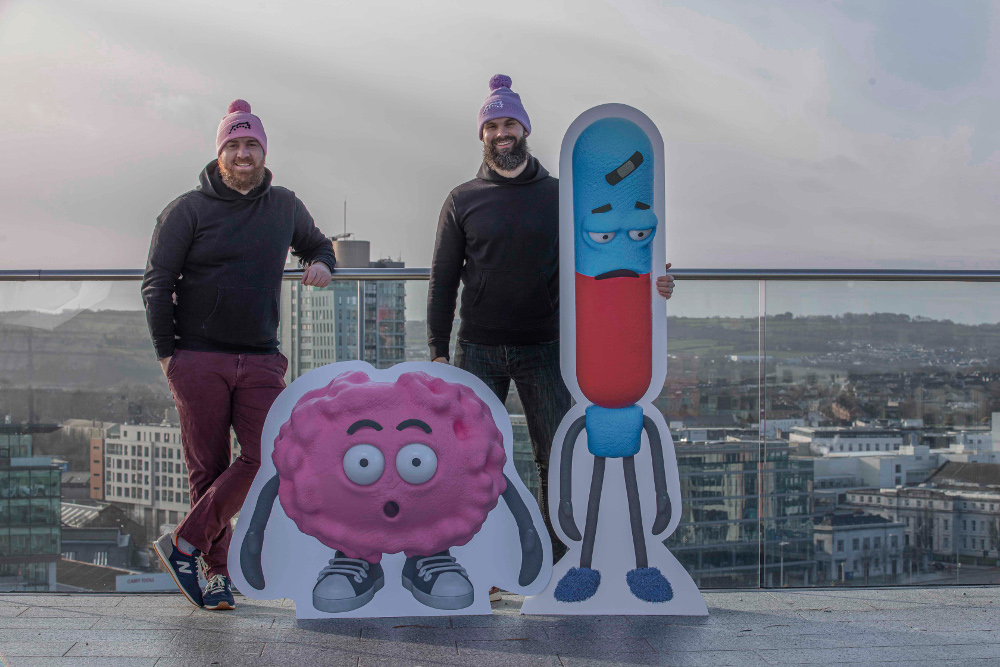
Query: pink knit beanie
(239, 122)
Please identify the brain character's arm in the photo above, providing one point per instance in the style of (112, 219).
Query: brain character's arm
(663, 509)
(531, 544)
(566, 480)
(253, 541)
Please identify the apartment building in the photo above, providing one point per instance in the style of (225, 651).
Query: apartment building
(956, 513)
(859, 548)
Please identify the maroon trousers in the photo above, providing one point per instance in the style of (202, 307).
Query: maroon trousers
(213, 391)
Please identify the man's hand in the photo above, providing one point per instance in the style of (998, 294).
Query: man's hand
(442, 360)
(665, 284)
(317, 275)
(164, 362)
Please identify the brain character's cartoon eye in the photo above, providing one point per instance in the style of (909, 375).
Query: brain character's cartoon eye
(416, 463)
(601, 237)
(364, 464)
(639, 234)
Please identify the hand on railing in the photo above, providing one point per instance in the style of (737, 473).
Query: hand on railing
(318, 275)
(665, 284)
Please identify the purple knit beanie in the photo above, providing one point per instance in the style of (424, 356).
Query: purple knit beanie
(503, 103)
(240, 123)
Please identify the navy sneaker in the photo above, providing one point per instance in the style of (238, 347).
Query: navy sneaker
(438, 581)
(181, 566)
(219, 593)
(346, 584)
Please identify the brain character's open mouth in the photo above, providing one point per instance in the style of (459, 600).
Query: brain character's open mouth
(391, 508)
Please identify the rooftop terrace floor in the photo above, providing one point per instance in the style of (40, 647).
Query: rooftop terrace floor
(919, 627)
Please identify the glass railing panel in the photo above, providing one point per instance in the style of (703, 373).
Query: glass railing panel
(709, 400)
(886, 396)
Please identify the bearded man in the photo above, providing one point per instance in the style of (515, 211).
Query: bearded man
(499, 235)
(211, 290)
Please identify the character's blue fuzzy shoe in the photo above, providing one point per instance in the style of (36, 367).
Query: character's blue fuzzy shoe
(647, 583)
(578, 584)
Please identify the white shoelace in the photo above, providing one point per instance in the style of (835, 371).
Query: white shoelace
(217, 584)
(351, 567)
(431, 565)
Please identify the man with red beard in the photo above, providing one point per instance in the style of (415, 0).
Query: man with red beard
(211, 291)
(498, 234)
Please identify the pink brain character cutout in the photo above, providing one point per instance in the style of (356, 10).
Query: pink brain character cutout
(371, 468)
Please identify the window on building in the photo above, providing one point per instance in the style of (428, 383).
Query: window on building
(866, 543)
(877, 542)
(894, 541)
(946, 543)
(855, 544)
(840, 546)
(946, 524)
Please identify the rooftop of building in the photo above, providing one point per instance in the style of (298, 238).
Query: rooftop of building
(955, 474)
(917, 627)
(847, 520)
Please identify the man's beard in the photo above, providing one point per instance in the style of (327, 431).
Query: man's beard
(241, 181)
(506, 160)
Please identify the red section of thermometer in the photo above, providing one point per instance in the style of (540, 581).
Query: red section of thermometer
(614, 339)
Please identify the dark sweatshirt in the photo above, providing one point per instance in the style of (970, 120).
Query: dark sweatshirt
(222, 254)
(500, 237)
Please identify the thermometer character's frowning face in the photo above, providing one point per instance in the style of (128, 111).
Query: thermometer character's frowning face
(614, 221)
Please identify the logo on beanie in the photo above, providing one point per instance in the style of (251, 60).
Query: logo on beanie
(237, 126)
(495, 104)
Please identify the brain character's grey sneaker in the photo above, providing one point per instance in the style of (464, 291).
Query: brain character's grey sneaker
(346, 584)
(219, 593)
(438, 581)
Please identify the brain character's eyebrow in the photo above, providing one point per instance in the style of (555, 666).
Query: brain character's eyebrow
(363, 423)
(602, 209)
(618, 175)
(414, 422)
(641, 206)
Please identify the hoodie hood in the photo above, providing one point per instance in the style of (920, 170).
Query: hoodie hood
(532, 173)
(210, 184)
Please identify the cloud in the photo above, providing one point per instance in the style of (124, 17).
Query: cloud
(779, 150)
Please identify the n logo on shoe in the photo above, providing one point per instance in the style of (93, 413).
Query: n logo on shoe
(184, 568)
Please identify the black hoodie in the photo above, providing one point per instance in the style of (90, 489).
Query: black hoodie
(222, 254)
(500, 237)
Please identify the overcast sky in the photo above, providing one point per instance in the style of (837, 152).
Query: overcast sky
(857, 134)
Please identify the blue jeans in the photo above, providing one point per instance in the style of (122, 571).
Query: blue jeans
(538, 380)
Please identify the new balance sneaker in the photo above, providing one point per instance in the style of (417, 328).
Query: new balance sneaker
(181, 566)
(438, 581)
(219, 593)
(346, 584)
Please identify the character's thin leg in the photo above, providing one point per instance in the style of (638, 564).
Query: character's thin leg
(253, 541)
(580, 583)
(593, 509)
(646, 583)
(635, 512)
(531, 544)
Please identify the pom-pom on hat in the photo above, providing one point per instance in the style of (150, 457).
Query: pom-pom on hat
(239, 122)
(503, 103)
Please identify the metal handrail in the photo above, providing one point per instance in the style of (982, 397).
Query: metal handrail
(421, 273)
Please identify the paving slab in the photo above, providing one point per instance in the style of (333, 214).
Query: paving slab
(868, 627)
